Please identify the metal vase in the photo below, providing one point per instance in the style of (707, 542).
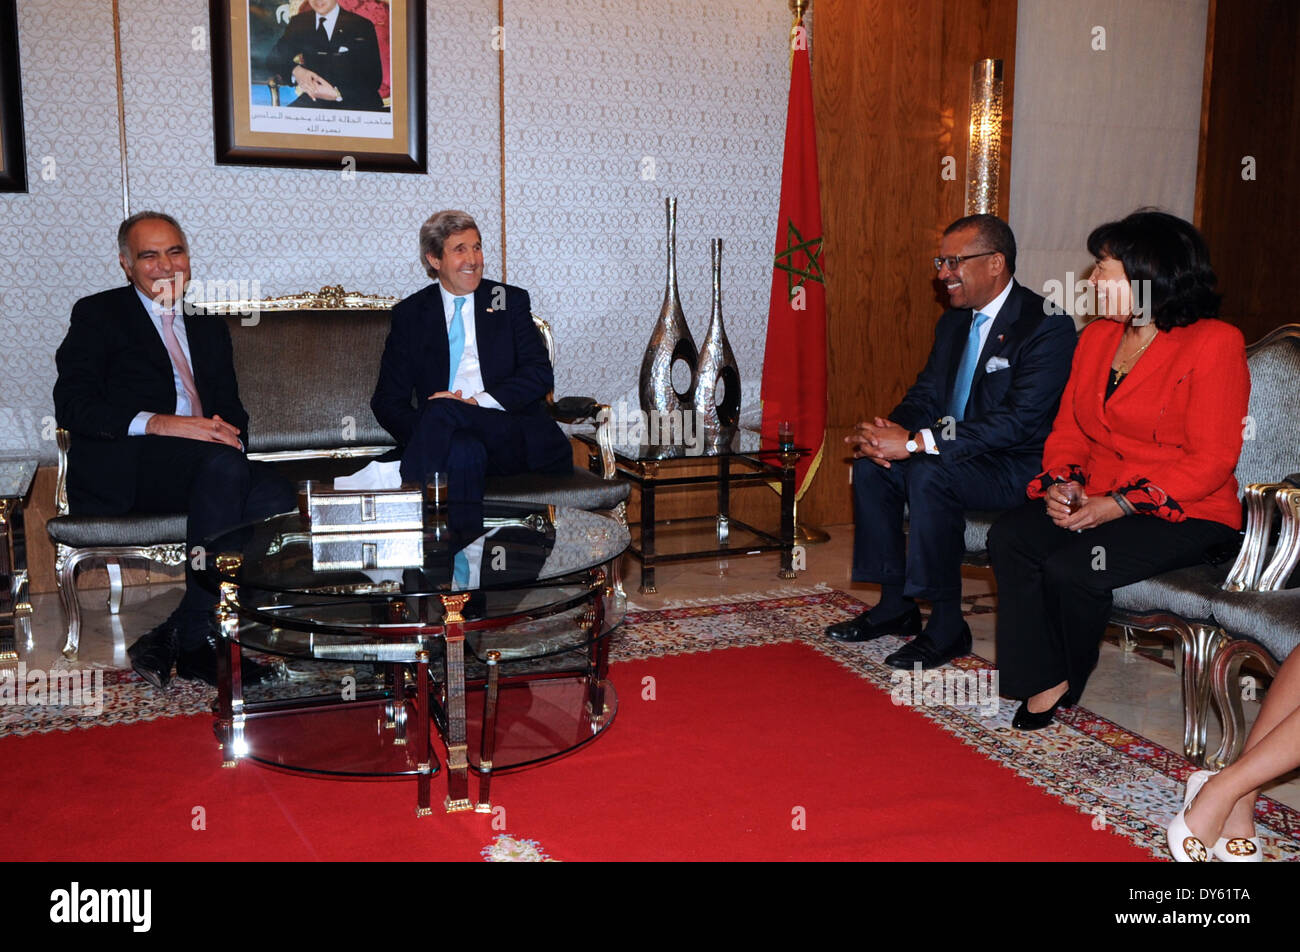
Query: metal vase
(670, 342)
(718, 374)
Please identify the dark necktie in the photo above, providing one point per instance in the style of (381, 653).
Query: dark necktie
(321, 35)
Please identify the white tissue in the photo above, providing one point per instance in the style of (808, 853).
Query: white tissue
(375, 475)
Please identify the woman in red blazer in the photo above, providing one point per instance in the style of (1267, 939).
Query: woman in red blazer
(1138, 469)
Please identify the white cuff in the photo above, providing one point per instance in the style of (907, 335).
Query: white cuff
(485, 399)
(928, 439)
(139, 423)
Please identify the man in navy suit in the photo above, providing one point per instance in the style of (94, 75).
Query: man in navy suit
(464, 376)
(967, 435)
(332, 55)
(147, 389)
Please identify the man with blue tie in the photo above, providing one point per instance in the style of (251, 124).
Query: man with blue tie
(465, 374)
(967, 435)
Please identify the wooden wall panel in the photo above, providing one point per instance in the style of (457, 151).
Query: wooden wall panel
(891, 83)
(1252, 108)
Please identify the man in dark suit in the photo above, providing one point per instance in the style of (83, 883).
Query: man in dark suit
(148, 393)
(332, 55)
(968, 435)
(464, 376)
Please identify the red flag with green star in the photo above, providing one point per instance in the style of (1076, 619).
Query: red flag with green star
(794, 364)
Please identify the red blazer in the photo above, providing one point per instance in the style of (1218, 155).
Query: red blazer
(1169, 436)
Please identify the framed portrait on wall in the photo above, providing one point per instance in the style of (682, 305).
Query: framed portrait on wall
(335, 84)
(13, 154)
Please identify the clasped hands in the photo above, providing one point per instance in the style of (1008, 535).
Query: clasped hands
(1091, 511)
(204, 429)
(313, 85)
(453, 395)
(879, 441)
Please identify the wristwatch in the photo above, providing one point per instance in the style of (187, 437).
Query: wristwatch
(912, 446)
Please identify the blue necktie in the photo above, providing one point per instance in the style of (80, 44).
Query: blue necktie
(455, 342)
(966, 369)
(460, 572)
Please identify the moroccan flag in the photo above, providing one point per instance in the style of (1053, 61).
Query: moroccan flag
(794, 364)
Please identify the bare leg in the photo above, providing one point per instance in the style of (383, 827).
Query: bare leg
(1043, 700)
(1226, 804)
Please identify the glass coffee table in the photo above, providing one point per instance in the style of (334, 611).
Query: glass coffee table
(747, 458)
(489, 630)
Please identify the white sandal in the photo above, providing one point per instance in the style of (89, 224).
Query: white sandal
(1183, 844)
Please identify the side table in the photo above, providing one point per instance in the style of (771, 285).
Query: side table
(748, 458)
(16, 477)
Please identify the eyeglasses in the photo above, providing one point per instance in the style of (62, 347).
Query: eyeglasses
(952, 261)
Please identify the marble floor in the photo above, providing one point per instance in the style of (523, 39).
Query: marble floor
(1135, 691)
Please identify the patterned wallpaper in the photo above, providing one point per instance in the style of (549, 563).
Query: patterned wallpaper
(611, 106)
(593, 87)
(56, 242)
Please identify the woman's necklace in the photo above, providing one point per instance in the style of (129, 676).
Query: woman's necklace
(1122, 370)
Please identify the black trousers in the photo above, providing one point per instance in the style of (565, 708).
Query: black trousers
(219, 487)
(1054, 587)
(937, 494)
(470, 443)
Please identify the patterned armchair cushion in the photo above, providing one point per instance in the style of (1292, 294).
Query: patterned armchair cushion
(1272, 619)
(87, 532)
(1187, 593)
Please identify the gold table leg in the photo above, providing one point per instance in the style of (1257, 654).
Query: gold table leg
(454, 669)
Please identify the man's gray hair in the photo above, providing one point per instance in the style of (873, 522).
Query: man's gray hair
(441, 226)
(124, 229)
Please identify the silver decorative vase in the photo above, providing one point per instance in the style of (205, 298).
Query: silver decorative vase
(717, 381)
(671, 342)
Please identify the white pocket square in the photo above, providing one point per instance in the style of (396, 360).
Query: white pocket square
(995, 364)
(343, 49)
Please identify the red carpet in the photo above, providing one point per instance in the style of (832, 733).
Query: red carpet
(761, 753)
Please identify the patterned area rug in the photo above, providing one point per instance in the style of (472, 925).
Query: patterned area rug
(1121, 779)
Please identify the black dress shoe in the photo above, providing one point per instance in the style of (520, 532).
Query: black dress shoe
(924, 651)
(1027, 720)
(863, 628)
(200, 664)
(153, 654)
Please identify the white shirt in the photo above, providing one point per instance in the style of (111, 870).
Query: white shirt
(991, 309)
(469, 376)
(331, 19)
(154, 310)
